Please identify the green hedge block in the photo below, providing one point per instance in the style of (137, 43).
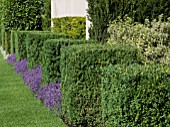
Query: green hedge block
(81, 79)
(7, 42)
(20, 44)
(0, 36)
(136, 96)
(51, 51)
(19, 40)
(3, 38)
(34, 46)
(12, 42)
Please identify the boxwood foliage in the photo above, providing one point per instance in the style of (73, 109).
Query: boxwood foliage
(52, 54)
(81, 79)
(18, 39)
(7, 42)
(34, 46)
(74, 27)
(136, 96)
(12, 42)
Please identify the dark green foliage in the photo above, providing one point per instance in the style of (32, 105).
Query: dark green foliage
(51, 54)
(74, 27)
(19, 40)
(23, 14)
(0, 36)
(81, 79)
(136, 96)
(46, 17)
(102, 12)
(20, 44)
(3, 38)
(34, 44)
(12, 42)
(7, 42)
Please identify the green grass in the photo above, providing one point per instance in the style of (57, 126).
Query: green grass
(18, 106)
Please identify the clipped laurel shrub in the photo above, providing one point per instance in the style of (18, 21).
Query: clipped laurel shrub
(52, 54)
(151, 38)
(81, 79)
(34, 46)
(136, 96)
(74, 27)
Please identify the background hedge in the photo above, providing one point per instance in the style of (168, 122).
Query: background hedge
(136, 96)
(81, 79)
(74, 27)
(102, 12)
(52, 54)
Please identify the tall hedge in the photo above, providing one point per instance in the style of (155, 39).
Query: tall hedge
(136, 96)
(102, 12)
(52, 54)
(81, 79)
(23, 14)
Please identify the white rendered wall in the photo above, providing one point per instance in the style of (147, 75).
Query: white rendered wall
(63, 8)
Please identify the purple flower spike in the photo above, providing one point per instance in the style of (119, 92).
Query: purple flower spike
(11, 59)
(50, 95)
(21, 66)
(33, 78)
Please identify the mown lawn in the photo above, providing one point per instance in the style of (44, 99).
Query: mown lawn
(18, 106)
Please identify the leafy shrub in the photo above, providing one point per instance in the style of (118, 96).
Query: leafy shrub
(12, 42)
(51, 53)
(22, 14)
(102, 12)
(33, 78)
(51, 95)
(21, 66)
(34, 46)
(46, 16)
(81, 78)
(136, 96)
(7, 42)
(11, 59)
(74, 27)
(19, 38)
(151, 38)
(3, 38)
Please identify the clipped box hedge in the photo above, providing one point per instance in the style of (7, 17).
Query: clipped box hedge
(51, 54)
(81, 79)
(18, 42)
(136, 96)
(34, 46)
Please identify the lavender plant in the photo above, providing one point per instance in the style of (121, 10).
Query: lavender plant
(21, 66)
(11, 59)
(50, 95)
(33, 78)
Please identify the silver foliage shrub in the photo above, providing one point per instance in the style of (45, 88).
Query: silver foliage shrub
(151, 37)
